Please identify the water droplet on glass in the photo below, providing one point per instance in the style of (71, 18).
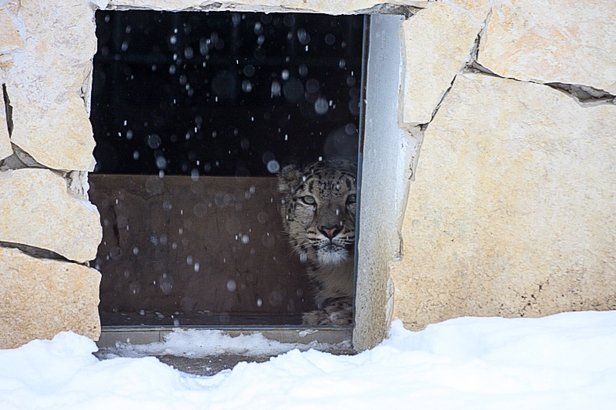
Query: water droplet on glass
(289, 20)
(166, 287)
(312, 85)
(161, 162)
(154, 141)
(303, 70)
(303, 36)
(285, 74)
(246, 86)
(273, 166)
(258, 28)
(231, 285)
(321, 106)
(276, 89)
(173, 39)
(262, 217)
(249, 70)
(188, 53)
(293, 90)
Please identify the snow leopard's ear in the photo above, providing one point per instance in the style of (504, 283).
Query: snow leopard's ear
(289, 178)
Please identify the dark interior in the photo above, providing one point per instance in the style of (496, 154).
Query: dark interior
(193, 114)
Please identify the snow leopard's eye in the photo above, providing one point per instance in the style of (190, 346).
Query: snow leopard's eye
(309, 200)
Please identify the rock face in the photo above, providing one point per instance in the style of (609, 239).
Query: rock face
(437, 43)
(37, 210)
(512, 212)
(564, 41)
(47, 82)
(41, 297)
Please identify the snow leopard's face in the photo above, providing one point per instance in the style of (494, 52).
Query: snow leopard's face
(318, 209)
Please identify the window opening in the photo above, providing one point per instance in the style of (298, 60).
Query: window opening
(194, 115)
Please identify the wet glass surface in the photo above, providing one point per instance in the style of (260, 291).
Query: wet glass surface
(194, 113)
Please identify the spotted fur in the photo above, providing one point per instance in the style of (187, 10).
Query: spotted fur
(318, 209)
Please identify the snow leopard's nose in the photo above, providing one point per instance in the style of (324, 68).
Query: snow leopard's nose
(330, 231)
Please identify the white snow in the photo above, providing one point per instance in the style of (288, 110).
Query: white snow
(565, 361)
(194, 343)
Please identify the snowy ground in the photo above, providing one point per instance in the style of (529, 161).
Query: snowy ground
(566, 361)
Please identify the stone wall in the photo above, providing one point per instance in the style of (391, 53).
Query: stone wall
(48, 229)
(511, 211)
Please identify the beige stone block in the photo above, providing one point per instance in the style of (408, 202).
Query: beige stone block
(9, 37)
(5, 142)
(437, 44)
(12, 6)
(45, 84)
(478, 8)
(37, 210)
(321, 6)
(564, 41)
(6, 62)
(513, 209)
(42, 297)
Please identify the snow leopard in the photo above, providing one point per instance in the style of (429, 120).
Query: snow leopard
(318, 207)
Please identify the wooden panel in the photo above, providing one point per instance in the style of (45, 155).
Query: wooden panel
(195, 246)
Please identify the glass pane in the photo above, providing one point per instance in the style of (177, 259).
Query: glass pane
(194, 115)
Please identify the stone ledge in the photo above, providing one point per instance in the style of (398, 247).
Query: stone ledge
(288, 6)
(40, 298)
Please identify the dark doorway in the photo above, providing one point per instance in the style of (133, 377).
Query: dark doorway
(194, 113)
